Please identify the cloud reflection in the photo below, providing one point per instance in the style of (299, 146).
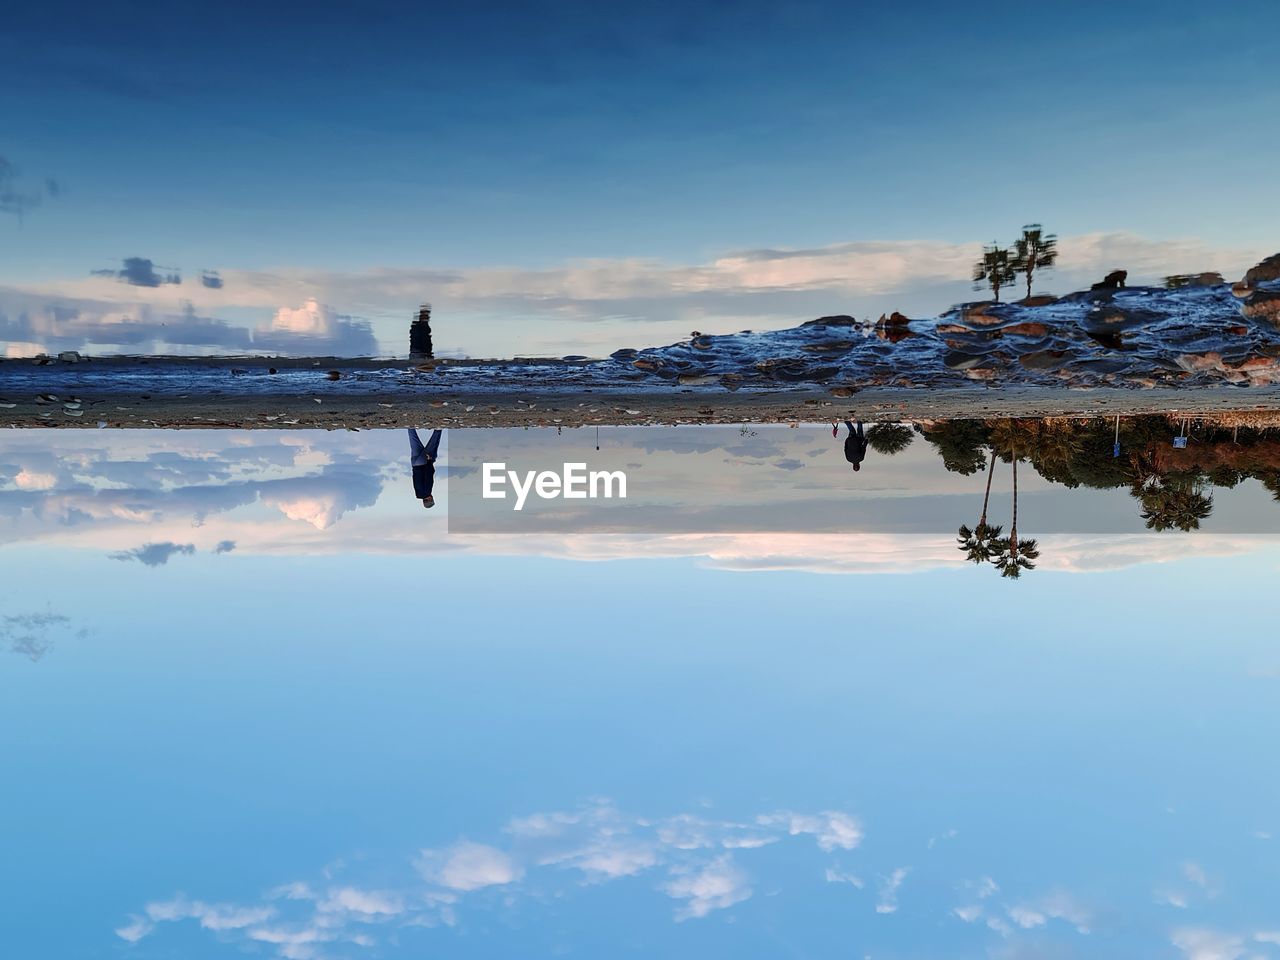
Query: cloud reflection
(316, 492)
(35, 324)
(597, 842)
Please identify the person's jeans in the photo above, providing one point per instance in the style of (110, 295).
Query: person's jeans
(420, 455)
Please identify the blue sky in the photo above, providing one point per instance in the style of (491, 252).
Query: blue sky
(320, 727)
(439, 139)
(224, 748)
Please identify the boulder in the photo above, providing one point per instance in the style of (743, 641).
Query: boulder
(894, 319)
(1111, 319)
(1026, 329)
(1268, 269)
(1046, 359)
(1208, 279)
(894, 333)
(832, 347)
(1263, 305)
(984, 313)
(959, 360)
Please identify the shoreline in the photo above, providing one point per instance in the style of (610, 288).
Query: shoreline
(240, 393)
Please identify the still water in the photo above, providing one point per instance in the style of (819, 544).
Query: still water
(255, 700)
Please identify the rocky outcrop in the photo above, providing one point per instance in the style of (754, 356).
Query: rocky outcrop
(1268, 269)
(1189, 334)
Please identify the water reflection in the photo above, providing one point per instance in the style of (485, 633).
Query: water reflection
(855, 445)
(422, 463)
(658, 752)
(150, 496)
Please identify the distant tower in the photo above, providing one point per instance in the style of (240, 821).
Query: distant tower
(420, 334)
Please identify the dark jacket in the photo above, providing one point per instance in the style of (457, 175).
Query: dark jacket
(855, 448)
(424, 478)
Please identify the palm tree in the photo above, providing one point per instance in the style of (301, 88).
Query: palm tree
(995, 269)
(1013, 557)
(1034, 250)
(978, 544)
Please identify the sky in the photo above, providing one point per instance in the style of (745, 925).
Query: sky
(568, 176)
(344, 756)
(259, 703)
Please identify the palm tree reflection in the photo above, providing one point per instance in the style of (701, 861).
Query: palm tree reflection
(979, 544)
(1173, 485)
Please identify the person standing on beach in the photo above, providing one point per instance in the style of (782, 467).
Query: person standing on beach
(855, 445)
(423, 461)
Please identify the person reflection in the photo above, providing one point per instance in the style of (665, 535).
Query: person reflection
(423, 460)
(855, 445)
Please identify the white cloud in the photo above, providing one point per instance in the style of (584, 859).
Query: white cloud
(210, 916)
(837, 876)
(30, 480)
(293, 943)
(469, 866)
(1194, 873)
(367, 902)
(586, 302)
(888, 902)
(1026, 917)
(1054, 906)
(314, 327)
(713, 886)
(747, 842)
(135, 929)
(299, 918)
(687, 832)
(1199, 943)
(970, 913)
(999, 926)
(543, 824)
(833, 829)
(292, 891)
(610, 858)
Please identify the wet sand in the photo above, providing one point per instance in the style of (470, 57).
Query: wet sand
(367, 394)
